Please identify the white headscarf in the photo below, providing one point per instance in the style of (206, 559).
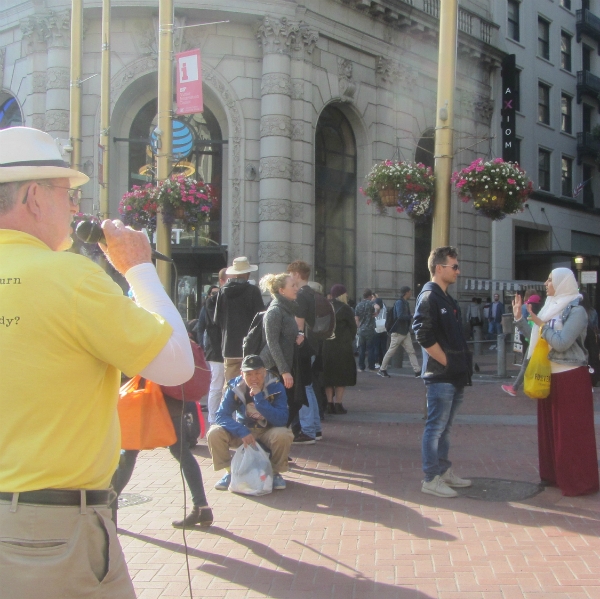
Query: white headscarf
(566, 290)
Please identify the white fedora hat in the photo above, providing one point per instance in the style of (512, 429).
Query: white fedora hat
(27, 154)
(241, 266)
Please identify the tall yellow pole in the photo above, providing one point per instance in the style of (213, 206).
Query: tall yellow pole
(75, 85)
(105, 108)
(165, 128)
(445, 122)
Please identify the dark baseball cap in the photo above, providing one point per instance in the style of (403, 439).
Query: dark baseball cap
(252, 363)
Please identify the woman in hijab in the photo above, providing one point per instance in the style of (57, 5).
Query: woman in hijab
(566, 437)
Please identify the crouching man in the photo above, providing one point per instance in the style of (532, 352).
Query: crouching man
(259, 401)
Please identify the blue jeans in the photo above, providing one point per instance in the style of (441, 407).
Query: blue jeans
(369, 345)
(310, 421)
(189, 465)
(494, 329)
(443, 401)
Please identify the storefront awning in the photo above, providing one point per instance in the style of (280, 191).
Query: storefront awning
(490, 285)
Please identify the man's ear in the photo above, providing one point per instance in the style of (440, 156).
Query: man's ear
(33, 201)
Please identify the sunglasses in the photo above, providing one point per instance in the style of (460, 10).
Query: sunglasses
(452, 266)
(74, 194)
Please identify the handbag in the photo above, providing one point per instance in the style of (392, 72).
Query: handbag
(537, 376)
(144, 417)
(199, 385)
(380, 320)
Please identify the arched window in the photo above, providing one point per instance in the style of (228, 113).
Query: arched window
(425, 154)
(204, 158)
(335, 201)
(10, 113)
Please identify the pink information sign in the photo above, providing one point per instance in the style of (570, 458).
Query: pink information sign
(189, 82)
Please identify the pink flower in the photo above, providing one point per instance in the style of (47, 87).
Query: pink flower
(479, 168)
(205, 209)
(460, 183)
(369, 201)
(498, 161)
(511, 181)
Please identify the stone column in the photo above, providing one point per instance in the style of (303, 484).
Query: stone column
(34, 36)
(58, 74)
(275, 207)
(303, 153)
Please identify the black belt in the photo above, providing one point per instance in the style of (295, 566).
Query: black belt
(60, 497)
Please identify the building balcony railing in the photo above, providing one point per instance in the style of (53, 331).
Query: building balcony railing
(587, 84)
(588, 23)
(588, 146)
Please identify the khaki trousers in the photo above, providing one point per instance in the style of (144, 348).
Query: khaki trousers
(58, 552)
(406, 342)
(278, 439)
(233, 369)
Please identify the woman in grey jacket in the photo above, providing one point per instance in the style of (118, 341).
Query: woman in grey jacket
(279, 325)
(566, 437)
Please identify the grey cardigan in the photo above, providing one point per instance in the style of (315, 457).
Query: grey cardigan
(280, 330)
(568, 344)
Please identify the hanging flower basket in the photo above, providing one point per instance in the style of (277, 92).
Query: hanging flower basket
(179, 198)
(408, 186)
(496, 188)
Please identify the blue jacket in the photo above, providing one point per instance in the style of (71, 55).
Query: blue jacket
(272, 405)
(437, 320)
(402, 317)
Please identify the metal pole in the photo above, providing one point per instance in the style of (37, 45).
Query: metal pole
(445, 122)
(75, 83)
(165, 128)
(501, 355)
(105, 109)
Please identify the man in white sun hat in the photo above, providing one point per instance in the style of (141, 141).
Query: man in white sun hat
(237, 304)
(60, 375)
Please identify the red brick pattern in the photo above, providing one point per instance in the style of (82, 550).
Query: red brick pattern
(353, 524)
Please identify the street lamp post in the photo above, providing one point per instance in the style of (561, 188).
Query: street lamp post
(579, 267)
(445, 122)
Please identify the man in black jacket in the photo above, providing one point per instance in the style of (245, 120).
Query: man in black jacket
(446, 369)
(237, 303)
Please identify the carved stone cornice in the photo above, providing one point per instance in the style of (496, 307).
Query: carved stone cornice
(52, 29)
(391, 72)
(57, 120)
(275, 168)
(276, 83)
(59, 26)
(275, 125)
(275, 210)
(282, 36)
(57, 78)
(35, 33)
(275, 252)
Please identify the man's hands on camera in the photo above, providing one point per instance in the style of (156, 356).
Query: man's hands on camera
(125, 247)
(249, 440)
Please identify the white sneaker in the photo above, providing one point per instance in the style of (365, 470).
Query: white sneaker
(454, 481)
(438, 488)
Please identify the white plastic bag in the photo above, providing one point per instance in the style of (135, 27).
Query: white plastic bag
(380, 320)
(251, 471)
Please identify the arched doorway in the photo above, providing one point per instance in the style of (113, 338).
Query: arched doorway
(422, 247)
(205, 158)
(335, 201)
(10, 113)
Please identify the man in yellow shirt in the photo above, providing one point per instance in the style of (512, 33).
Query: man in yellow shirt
(66, 333)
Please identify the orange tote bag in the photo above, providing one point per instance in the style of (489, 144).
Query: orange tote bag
(144, 417)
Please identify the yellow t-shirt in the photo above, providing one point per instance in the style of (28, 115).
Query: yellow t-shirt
(66, 332)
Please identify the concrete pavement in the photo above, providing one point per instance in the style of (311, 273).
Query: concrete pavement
(353, 524)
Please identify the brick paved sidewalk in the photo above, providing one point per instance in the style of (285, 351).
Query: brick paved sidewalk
(352, 523)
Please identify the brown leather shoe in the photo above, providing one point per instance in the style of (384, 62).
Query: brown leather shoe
(199, 515)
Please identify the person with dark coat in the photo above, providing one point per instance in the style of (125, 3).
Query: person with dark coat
(237, 304)
(339, 366)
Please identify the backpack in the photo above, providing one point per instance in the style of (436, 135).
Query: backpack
(390, 319)
(324, 325)
(254, 341)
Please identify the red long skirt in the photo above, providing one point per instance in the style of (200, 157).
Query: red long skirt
(566, 436)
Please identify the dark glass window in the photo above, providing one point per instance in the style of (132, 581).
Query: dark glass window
(513, 20)
(566, 176)
(543, 103)
(588, 190)
(586, 58)
(543, 38)
(544, 169)
(587, 118)
(566, 117)
(566, 4)
(565, 51)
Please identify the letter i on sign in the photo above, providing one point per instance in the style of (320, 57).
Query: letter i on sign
(184, 75)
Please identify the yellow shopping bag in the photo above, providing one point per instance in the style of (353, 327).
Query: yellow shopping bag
(537, 375)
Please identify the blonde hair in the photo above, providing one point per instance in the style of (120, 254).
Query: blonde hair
(273, 283)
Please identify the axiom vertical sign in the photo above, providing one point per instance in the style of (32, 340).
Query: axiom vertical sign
(509, 96)
(189, 82)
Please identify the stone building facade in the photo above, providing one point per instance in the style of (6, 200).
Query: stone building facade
(303, 99)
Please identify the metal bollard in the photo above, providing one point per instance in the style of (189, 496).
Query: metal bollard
(501, 355)
(477, 337)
